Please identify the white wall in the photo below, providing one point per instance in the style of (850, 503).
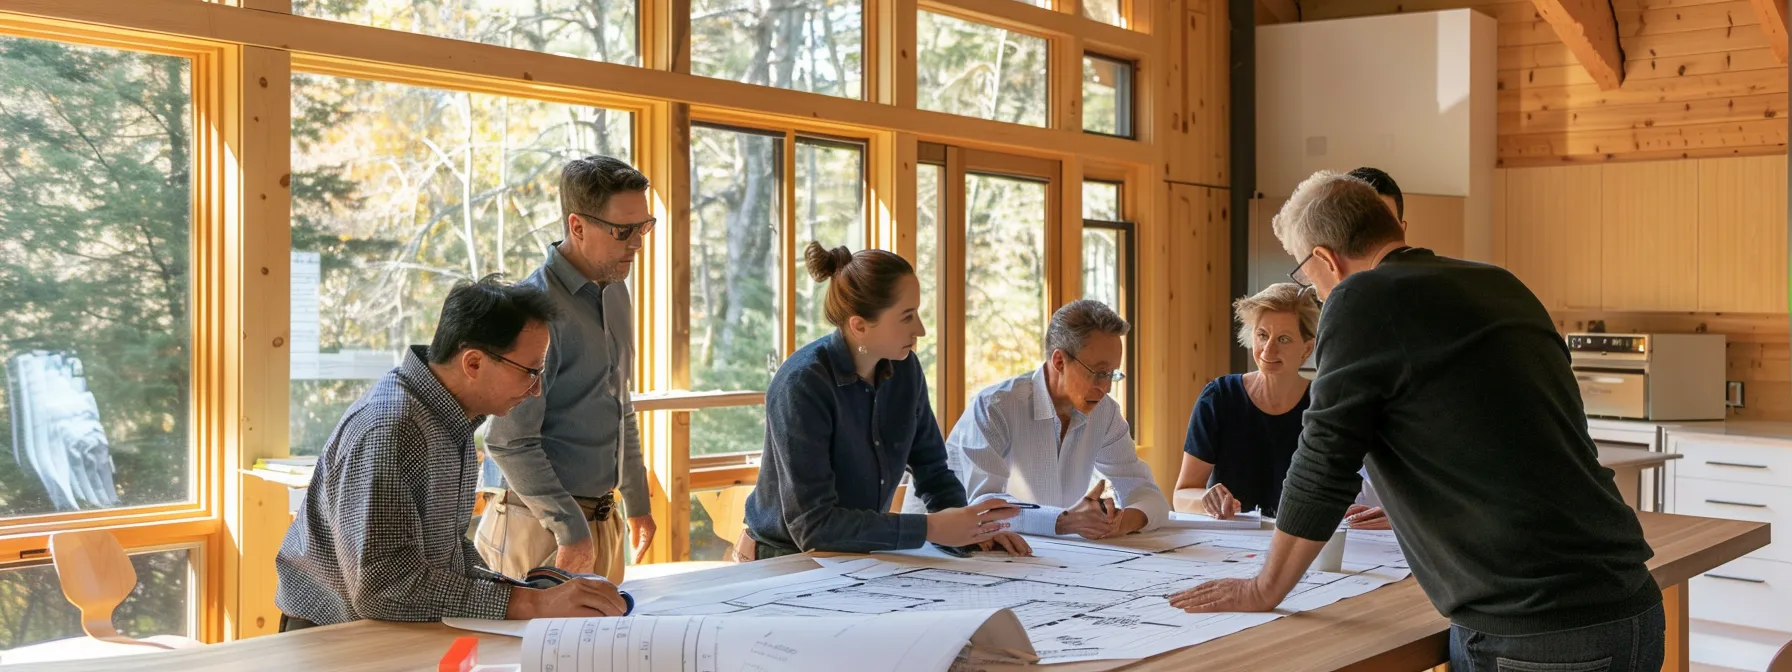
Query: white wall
(1412, 94)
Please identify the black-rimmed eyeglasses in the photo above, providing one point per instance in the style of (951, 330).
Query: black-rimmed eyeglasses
(534, 374)
(623, 232)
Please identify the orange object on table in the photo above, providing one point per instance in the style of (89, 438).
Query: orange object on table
(462, 656)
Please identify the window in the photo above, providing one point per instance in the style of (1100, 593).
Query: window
(928, 205)
(1108, 269)
(811, 45)
(33, 609)
(736, 298)
(398, 192)
(830, 209)
(1107, 96)
(600, 30)
(1005, 285)
(1106, 11)
(980, 71)
(96, 215)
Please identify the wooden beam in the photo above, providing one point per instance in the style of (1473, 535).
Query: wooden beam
(1591, 32)
(342, 48)
(1773, 24)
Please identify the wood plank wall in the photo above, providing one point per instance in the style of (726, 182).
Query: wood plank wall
(1192, 253)
(1700, 81)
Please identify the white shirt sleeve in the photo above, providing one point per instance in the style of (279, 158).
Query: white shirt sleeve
(1118, 461)
(981, 443)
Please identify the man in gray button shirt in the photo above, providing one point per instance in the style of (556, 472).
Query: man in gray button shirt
(564, 453)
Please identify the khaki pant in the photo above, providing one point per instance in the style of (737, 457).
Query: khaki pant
(512, 540)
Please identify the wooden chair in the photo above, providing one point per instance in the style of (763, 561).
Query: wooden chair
(96, 576)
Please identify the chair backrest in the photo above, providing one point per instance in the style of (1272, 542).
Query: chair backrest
(96, 577)
(1782, 661)
(727, 509)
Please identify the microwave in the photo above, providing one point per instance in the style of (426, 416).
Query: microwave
(1649, 376)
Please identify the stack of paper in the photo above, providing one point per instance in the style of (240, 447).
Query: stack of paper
(1196, 521)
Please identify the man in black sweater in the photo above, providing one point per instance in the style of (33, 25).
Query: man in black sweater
(1448, 378)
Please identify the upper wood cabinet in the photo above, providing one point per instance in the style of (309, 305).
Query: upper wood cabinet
(1650, 230)
(1435, 223)
(1704, 235)
(1552, 224)
(1742, 235)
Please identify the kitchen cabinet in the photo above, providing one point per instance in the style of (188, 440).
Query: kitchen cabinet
(1552, 221)
(1742, 235)
(1649, 226)
(1703, 235)
(1740, 478)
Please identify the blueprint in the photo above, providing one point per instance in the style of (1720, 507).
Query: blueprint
(771, 641)
(1078, 600)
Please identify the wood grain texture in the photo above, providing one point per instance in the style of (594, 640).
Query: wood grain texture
(1391, 628)
(1702, 78)
(1649, 223)
(1553, 233)
(1590, 31)
(1742, 235)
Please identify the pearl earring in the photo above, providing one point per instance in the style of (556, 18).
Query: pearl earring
(862, 350)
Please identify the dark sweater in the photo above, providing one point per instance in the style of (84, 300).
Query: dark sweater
(1450, 379)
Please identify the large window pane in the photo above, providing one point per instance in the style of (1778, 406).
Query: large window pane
(1106, 277)
(806, 45)
(1005, 287)
(736, 207)
(830, 209)
(927, 268)
(33, 609)
(399, 192)
(600, 30)
(980, 71)
(96, 204)
(1107, 96)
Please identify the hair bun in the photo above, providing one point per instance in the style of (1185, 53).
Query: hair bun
(824, 263)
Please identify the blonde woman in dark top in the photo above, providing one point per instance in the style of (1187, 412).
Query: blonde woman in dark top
(1245, 427)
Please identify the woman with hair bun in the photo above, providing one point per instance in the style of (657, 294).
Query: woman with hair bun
(846, 415)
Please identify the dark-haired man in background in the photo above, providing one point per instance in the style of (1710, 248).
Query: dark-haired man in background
(1387, 188)
(559, 458)
(383, 530)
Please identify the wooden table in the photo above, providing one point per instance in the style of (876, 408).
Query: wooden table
(1392, 628)
(1627, 465)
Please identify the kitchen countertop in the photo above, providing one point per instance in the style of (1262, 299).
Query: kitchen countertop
(1754, 429)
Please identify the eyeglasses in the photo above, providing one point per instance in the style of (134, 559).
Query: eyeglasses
(534, 374)
(1299, 275)
(1111, 376)
(623, 232)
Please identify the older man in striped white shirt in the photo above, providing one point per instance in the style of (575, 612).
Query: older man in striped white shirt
(1046, 436)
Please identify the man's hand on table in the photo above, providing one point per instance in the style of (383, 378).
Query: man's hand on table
(1226, 595)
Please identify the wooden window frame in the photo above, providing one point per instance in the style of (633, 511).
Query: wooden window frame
(258, 42)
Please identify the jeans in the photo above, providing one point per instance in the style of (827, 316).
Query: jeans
(1628, 645)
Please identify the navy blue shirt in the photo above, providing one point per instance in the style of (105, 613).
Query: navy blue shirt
(1250, 450)
(835, 450)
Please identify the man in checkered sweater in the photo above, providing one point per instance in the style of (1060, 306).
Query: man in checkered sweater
(383, 531)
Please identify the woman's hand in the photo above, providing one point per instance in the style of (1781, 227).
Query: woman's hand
(1219, 502)
(969, 525)
(1013, 543)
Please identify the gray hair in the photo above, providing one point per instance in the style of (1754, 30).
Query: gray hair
(1282, 297)
(1338, 212)
(587, 184)
(1073, 324)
